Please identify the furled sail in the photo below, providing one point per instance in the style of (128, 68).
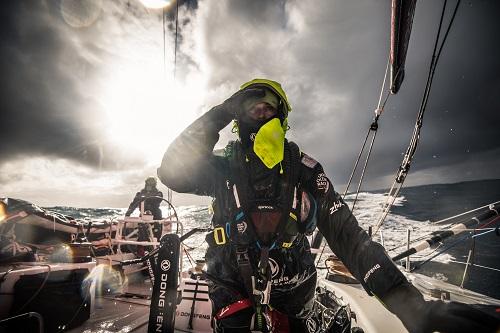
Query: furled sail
(401, 22)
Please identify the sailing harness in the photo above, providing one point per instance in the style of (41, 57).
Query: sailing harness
(253, 224)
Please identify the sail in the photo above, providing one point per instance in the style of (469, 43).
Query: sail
(401, 22)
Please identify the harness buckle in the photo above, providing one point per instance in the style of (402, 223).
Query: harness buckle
(242, 256)
(261, 286)
(260, 293)
(219, 236)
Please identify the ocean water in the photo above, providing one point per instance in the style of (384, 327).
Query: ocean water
(417, 209)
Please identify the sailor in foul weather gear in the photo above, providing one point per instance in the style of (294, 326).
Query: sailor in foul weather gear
(268, 196)
(152, 198)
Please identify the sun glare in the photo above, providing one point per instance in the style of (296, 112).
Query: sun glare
(146, 110)
(155, 4)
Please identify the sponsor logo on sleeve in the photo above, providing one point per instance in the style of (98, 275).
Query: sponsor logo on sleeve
(336, 206)
(322, 182)
(370, 272)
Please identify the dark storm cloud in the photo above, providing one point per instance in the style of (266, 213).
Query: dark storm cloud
(331, 56)
(42, 103)
(51, 53)
(464, 104)
(32, 121)
(461, 108)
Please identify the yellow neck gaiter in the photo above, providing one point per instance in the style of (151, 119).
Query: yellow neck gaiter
(269, 143)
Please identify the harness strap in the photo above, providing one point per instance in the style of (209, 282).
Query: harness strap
(245, 268)
(236, 196)
(261, 282)
(258, 287)
(290, 203)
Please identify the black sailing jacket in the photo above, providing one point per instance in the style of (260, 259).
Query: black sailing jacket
(150, 204)
(190, 166)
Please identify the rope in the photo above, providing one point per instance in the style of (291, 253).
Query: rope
(188, 255)
(383, 82)
(405, 164)
(321, 254)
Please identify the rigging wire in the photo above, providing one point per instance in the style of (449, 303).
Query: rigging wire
(467, 212)
(482, 227)
(460, 240)
(365, 165)
(373, 128)
(164, 14)
(476, 265)
(405, 164)
(164, 43)
(169, 191)
(418, 239)
(176, 35)
(471, 235)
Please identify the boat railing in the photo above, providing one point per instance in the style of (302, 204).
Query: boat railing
(477, 226)
(127, 229)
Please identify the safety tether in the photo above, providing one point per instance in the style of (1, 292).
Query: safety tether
(410, 151)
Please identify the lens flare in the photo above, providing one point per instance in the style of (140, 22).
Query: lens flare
(80, 14)
(106, 280)
(3, 211)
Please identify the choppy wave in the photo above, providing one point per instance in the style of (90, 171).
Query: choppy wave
(393, 234)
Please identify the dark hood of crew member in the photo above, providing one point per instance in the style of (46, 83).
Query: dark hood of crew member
(150, 184)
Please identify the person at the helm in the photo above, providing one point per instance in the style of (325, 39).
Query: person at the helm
(268, 195)
(151, 197)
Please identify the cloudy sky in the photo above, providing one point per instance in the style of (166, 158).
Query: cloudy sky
(89, 102)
